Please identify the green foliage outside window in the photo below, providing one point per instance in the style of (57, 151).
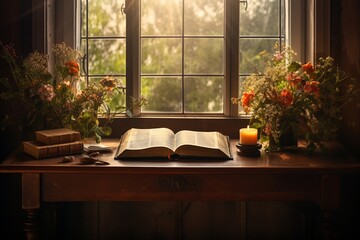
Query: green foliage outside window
(179, 54)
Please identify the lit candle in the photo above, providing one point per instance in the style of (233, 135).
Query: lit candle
(248, 136)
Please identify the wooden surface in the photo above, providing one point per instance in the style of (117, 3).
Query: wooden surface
(337, 161)
(272, 176)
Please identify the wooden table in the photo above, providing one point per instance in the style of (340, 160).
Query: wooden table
(272, 176)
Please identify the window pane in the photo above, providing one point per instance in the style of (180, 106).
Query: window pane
(161, 17)
(163, 94)
(83, 18)
(260, 18)
(161, 55)
(249, 50)
(204, 17)
(283, 16)
(107, 56)
(203, 94)
(105, 18)
(204, 55)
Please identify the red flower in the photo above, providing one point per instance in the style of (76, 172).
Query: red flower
(73, 67)
(286, 98)
(308, 68)
(293, 79)
(312, 87)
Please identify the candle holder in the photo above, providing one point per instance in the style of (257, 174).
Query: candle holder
(248, 150)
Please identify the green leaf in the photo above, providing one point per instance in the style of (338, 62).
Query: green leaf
(99, 131)
(106, 130)
(97, 138)
(257, 125)
(264, 138)
(294, 66)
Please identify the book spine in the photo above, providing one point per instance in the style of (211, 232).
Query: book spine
(54, 150)
(65, 138)
(65, 149)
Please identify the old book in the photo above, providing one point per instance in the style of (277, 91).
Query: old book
(40, 150)
(164, 143)
(55, 136)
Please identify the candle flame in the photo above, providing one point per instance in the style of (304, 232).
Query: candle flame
(248, 127)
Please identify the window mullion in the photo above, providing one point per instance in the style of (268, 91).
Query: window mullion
(132, 51)
(183, 59)
(231, 56)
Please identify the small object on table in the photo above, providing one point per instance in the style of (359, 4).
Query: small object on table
(248, 136)
(94, 154)
(248, 150)
(101, 149)
(68, 159)
(248, 145)
(91, 160)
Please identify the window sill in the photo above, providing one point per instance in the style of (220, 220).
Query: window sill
(227, 125)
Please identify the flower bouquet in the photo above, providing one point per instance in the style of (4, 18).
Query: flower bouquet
(51, 98)
(290, 99)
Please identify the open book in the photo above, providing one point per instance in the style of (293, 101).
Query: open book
(164, 143)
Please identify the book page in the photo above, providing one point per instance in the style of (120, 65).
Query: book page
(136, 139)
(213, 140)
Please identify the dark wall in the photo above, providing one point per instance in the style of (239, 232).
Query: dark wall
(15, 28)
(346, 49)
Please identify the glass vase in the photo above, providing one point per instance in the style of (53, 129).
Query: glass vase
(288, 139)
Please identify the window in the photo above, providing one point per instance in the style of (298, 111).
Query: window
(103, 42)
(182, 55)
(187, 57)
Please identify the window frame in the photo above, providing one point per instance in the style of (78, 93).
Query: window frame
(231, 56)
(230, 121)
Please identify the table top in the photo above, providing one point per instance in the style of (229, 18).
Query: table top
(336, 161)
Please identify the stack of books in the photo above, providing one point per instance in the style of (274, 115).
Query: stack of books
(54, 143)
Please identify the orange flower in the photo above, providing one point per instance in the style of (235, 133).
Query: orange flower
(312, 87)
(73, 67)
(308, 68)
(286, 98)
(245, 100)
(108, 82)
(246, 97)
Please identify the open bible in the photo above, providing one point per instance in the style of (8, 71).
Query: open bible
(164, 143)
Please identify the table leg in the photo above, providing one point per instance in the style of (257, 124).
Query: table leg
(31, 204)
(31, 224)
